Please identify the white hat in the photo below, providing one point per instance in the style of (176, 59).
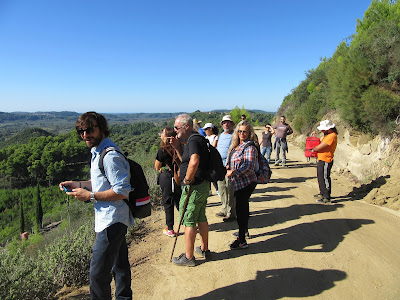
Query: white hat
(227, 118)
(325, 125)
(208, 125)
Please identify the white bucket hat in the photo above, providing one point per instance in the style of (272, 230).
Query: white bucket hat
(208, 125)
(227, 118)
(325, 125)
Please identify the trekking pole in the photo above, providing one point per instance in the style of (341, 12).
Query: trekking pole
(180, 221)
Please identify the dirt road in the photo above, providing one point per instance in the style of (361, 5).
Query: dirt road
(298, 249)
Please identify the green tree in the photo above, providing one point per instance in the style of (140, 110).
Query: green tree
(21, 216)
(39, 209)
(237, 112)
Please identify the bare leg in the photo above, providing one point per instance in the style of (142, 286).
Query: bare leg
(203, 227)
(190, 236)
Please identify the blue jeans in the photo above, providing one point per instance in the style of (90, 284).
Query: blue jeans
(266, 150)
(110, 257)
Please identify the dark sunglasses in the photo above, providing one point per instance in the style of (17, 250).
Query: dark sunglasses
(178, 128)
(242, 131)
(88, 130)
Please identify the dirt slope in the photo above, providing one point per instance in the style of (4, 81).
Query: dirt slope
(346, 250)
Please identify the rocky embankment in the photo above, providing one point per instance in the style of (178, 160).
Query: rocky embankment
(371, 163)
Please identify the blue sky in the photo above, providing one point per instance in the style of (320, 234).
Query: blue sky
(165, 55)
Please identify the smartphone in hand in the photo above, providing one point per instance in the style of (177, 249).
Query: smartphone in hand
(67, 188)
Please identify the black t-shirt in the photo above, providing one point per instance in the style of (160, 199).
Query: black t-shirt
(267, 139)
(196, 144)
(164, 157)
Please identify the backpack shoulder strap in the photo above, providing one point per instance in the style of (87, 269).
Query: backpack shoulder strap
(102, 154)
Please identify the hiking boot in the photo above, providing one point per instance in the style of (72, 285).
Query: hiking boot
(206, 254)
(182, 260)
(238, 245)
(170, 233)
(220, 214)
(318, 196)
(236, 234)
(324, 201)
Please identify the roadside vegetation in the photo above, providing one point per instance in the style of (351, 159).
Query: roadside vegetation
(361, 80)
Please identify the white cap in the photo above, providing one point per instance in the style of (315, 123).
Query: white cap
(208, 125)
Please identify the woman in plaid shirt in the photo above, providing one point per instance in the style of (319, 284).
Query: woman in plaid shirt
(242, 161)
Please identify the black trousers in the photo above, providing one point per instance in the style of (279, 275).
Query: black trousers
(324, 178)
(170, 197)
(242, 209)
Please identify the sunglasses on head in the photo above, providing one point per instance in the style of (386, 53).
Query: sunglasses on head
(88, 130)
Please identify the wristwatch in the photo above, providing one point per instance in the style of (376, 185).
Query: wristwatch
(92, 197)
(187, 181)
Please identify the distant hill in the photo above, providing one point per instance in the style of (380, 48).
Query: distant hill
(63, 122)
(24, 136)
(13, 123)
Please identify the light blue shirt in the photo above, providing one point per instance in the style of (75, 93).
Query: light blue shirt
(116, 168)
(224, 142)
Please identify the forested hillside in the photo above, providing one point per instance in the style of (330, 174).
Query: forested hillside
(34, 157)
(361, 80)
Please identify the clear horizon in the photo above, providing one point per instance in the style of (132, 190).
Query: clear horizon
(157, 56)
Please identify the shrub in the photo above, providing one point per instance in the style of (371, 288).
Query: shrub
(40, 274)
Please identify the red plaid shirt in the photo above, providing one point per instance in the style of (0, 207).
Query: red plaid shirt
(244, 163)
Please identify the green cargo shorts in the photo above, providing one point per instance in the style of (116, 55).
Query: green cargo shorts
(197, 202)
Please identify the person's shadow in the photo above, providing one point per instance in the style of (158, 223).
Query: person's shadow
(318, 236)
(269, 217)
(279, 283)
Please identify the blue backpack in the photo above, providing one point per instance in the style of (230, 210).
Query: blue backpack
(264, 172)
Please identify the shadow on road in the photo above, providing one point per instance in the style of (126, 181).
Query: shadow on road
(270, 217)
(289, 180)
(279, 215)
(279, 283)
(266, 198)
(318, 236)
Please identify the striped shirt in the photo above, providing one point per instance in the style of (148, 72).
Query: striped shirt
(244, 163)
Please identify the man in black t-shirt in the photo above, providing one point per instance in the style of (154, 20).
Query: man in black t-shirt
(192, 169)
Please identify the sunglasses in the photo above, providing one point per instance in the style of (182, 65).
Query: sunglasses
(178, 128)
(242, 131)
(88, 130)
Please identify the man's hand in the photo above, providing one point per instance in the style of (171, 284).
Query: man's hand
(72, 184)
(80, 194)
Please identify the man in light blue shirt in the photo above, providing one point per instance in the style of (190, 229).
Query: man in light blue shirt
(112, 214)
(225, 188)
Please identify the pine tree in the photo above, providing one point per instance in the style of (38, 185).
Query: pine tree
(21, 216)
(39, 209)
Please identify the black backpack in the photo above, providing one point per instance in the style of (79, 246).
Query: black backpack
(139, 199)
(216, 170)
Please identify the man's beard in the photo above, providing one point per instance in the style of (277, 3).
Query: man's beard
(94, 142)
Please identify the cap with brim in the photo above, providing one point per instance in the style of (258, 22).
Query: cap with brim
(208, 125)
(226, 118)
(325, 125)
